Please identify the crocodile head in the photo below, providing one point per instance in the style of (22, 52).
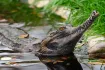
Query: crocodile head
(63, 40)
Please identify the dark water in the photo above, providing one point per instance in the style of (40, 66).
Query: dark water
(38, 65)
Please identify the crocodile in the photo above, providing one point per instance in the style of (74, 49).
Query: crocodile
(57, 48)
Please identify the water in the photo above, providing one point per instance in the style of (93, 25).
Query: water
(28, 61)
(23, 57)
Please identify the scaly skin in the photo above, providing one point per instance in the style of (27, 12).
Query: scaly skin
(61, 44)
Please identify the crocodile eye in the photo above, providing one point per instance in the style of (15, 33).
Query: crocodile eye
(62, 28)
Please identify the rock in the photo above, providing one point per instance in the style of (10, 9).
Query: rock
(3, 20)
(42, 3)
(17, 25)
(39, 32)
(96, 45)
(97, 48)
(13, 36)
(39, 3)
(36, 34)
(63, 12)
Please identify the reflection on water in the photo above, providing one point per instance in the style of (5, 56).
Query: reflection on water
(26, 61)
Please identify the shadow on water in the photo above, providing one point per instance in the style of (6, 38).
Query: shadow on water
(27, 61)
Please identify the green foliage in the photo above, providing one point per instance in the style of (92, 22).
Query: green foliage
(16, 11)
(80, 11)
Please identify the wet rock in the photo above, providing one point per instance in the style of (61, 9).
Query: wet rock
(96, 47)
(11, 36)
(35, 33)
(39, 32)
